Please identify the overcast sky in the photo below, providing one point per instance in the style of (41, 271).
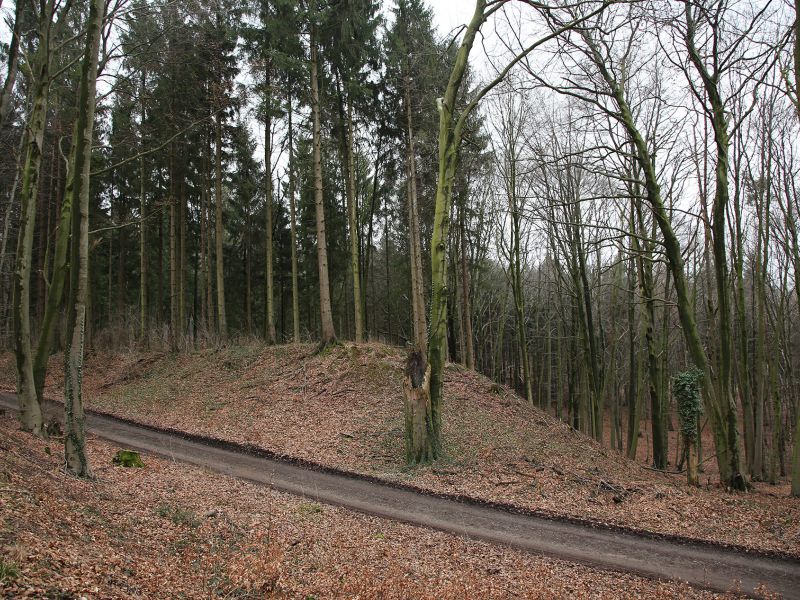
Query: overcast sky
(449, 14)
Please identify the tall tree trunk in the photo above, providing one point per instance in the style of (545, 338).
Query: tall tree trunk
(794, 246)
(326, 316)
(182, 220)
(419, 324)
(516, 278)
(173, 256)
(594, 368)
(143, 307)
(55, 292)
(75, 427)
(450, 132)
(469, 348)
(209, 280)
(741, 326)
(352, 212)
(644, 262)
(269, 320)
(30, 409)
(222, 322)
(728, 447)
(293, 234)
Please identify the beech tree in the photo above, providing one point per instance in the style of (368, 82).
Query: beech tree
(50, 25)
(451, 128)
(78, 187)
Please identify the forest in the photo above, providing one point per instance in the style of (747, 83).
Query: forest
(592, 204)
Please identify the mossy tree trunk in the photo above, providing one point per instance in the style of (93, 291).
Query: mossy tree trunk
(451, 126)
(39, 71)
(644, 262)
(719, 407)
(726, 434)
(78, 185)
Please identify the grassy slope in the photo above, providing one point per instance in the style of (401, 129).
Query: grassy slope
(344, 409)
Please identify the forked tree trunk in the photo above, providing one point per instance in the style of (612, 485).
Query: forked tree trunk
(75, 427)
(56, 289)
(727, 432)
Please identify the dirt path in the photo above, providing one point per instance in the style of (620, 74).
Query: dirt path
(702, 565)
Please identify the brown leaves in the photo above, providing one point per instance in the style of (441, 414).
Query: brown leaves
(344, 409)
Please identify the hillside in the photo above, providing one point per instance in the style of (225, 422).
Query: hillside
(344, 410)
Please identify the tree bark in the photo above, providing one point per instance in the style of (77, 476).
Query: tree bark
(449, 145)
(75, 428)
(419, 324)
(143, 307)
(293, 234)
(222, 322)
(30, 409)
(352, 212)
(644, 262)
(469, 348)
(328, 333)
(173, 257)
(728, 447)
(269, 321)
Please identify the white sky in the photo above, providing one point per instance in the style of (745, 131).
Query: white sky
(449, 14)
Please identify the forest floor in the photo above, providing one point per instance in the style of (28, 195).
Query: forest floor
(172, 530)
(343, 409)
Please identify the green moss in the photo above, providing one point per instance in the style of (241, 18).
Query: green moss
(128, 458)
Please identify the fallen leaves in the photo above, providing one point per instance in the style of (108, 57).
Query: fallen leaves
(343, 409)
(171, 530)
